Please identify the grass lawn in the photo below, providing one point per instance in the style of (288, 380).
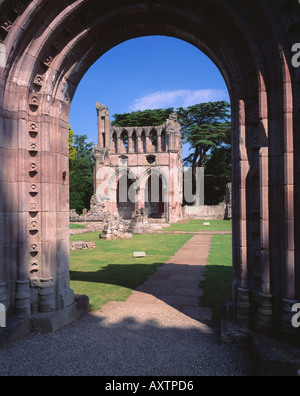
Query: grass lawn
(76, 226)
(110, 273)
(219, 275)
(197, 225)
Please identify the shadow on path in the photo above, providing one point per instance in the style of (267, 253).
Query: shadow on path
(123, 345)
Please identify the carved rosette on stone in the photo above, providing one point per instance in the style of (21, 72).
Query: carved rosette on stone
(33, 201)
(34, 294)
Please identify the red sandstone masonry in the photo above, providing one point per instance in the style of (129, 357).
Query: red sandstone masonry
(49, 49)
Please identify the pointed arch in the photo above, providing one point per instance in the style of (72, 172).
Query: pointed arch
(49, 47)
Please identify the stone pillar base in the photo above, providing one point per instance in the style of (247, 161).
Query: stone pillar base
(243, 308)
(264, 322)
(17, 328)
(50, 322)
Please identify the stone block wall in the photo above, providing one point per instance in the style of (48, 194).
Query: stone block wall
(205, 212)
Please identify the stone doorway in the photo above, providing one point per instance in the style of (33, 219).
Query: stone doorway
(155, 197)
(126, 197)
(48, 49)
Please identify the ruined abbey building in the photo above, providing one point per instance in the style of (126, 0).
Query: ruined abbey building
(139, 168)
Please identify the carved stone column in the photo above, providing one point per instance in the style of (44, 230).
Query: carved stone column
(140, 148)
(240, 171)
(158, 148)
(23, 307)
(148, 141)
(265, 306)
(120, 146)
(289, 271)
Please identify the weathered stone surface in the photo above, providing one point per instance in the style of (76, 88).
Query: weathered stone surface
(228, 201)
(131, 162)
(115, 229)
(82, 245)
(74, 217)
(273, 358)
(232, 334)
(205, 212)
(46, 57)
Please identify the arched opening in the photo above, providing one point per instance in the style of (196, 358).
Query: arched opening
(134, 142)
(163, 141)
(125, 142)
(154, 141)
(126, 196)
(143, 140)
(44, 67)
(114, 143)
(155, 197)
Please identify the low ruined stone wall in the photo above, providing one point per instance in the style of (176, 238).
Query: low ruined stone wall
(205, 212)
(82, 245)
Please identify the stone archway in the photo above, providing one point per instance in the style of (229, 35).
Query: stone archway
(49, 45)
(155, 196)
(126, 195)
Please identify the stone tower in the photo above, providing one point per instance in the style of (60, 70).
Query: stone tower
(139, 167)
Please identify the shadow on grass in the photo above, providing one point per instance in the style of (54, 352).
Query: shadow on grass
(179, 288)
(217, 288)
(129, 276)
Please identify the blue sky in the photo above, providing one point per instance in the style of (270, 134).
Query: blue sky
(145, 73)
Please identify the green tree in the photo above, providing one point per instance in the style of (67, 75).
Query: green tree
(205, 127)
(82, 174)
(72, 149)
(217, 174)
(142, 118)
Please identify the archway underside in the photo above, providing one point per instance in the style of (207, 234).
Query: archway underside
(51, 44)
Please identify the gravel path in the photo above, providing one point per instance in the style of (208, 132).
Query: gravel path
(140, 337)
(164, 343)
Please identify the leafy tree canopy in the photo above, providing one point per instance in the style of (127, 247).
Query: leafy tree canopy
(217, 175)
(72, 149)
(142, 118)
(81, 174)
(204, 127)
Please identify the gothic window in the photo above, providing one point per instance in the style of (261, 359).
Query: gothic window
(153, 139)
(124, 139)
(163, 141)
(115, 142)
(134, 141)
(143, 137)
